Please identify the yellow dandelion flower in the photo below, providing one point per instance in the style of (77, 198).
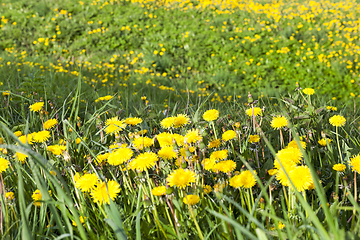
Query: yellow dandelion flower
(100, 158)
(256, 111)
(18, 133)
(214, 143)
(41, 136)
(301, 178)
(101, 194)
(245, 179)
(207, 189)
(26, 139)
(279, 122)
(168, 122)
(281, 225)
(57, 149)
(191, 199)
(324, 141)
(235, 181)
(192, 136)
(141, 142)
(337, 121)
(165, 139)
(208, 163)
(288, 155)
(181, 178)
(4, 164)
(355, 163)
(82, 220)
(159, 191)
(119, 156)
(228, 135)
(133, 121)
(50, 123)
(211, 115)
(114, 125)
(339, 167)
(219, 155)
(86, 182)
(144, 161)
(272, 171)
(254, 138)
(36, 196)
(36, 107)
(225, 166)
(9, 196)
(20, 157)
(293, 144)
(180, 120)
(309, 91)
(167, 153)
(179, 139)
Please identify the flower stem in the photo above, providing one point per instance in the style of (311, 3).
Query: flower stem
(337, 139)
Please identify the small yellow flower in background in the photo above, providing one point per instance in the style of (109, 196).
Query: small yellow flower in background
(272, 171)
(159, 191)
(50, 123)
(279, 122)
(57, 149)
(133, 121)
(144, 161)
(101, 195)
(281, 225)
(18, 133)
(323, 141)
(309, 91)
(339, 167)
(181, 178)
(337, 121)
(4, 164)
(6, 93)
(78, 141)
(168, 122)
(119, 156)
(86, 182)
(180, 120)
(228, 135)
(20, 157)
(114, 125)
(214, 143)
(9, 196)
(207, 189)
(191, 199)
(256, 110)
(143, 98)
(331, 108)
(355, 163)
(167, 153)
(36, 107)
(82, 220)
(254, 138)
(36, 196)
(211, 115)
(53, 173)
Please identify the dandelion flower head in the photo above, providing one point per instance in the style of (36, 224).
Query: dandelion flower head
(355, 163)
(119, 156)
(309, 91)
(101, 194)
(279, 122)
(144, 161)
(228, 135)
(339, 167)
(114, 125)
(159, 191)
(181, 178)
(256, 111)
(180, 120)
(191, 199)
(36, 107)
(337, 121)
(211, 115)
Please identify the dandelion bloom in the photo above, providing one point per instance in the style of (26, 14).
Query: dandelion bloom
(114, 125)
(331, 108)
(167, 153)
(119, 156)
(288, 156)
(355, 163)
(256, 111)
(180, 140)
(180, 120)
(141, 142)
(167, 123)
(9, 196)
(41, 136)
(36, 107)
(254, 138)
(211, 115)
(208, 163)
(207, 189)
(18, 133)
(293, 144)
(26, 139)
(192, 136)
(133, 121)
(159, 191)
(86, 182)
(339, 167)
(100, 158)
(214, 143)
(337, 121)
(248, 180)
(228, 135)
(57, 149)
(324, 141)
(20, 157)
(50, 123)
(235, 181)
(165, 139)
(279, 122)
(301, 178)
(191, 199)
(309, 91)
(272, 171)
(101, 194)
(144, 161)
(225, 166)
(82, 220)
(281, 176)
(219, 155)
(181, 178)
(36, 196)
(4, 164)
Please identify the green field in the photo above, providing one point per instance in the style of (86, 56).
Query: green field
(179, 119)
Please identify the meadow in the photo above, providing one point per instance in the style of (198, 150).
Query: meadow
(179, 119)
